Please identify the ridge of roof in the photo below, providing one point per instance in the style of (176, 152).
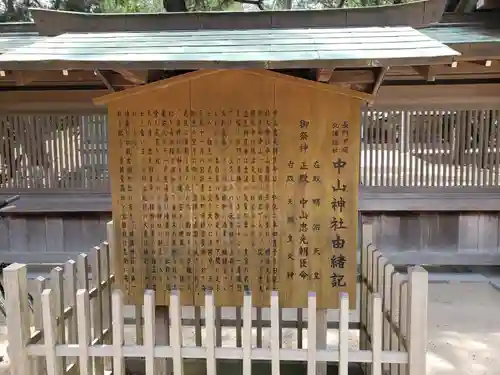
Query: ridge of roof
(414, 14)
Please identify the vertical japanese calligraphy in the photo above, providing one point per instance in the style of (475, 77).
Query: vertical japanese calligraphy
(243, 133)
(318, 167)
(236, 180)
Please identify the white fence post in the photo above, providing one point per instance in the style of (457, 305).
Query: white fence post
(110, 239)
(118, 333)
(417, 320)
(321, 338)
(18, 317)
(366, 238)
(385, 294)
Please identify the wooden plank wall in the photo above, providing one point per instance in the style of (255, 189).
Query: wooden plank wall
(50, 239)
(438, 238)
(430, 148)
(406, 238)
(56, 151)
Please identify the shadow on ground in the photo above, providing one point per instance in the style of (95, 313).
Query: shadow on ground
(229, 367)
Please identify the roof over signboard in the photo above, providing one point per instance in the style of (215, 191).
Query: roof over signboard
(454, 35)
(269, 49)
(470, 40)
(10, 41)
(200, 74)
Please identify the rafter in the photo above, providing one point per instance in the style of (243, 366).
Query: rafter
(137, 77)
(105, 78)
(380, 78)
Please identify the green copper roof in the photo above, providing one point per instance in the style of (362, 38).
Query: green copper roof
(10, 41)
(268, 48)
(451, 35)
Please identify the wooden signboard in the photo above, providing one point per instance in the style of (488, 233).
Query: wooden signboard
(234, 180)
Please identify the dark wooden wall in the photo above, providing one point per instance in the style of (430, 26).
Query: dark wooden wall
(50, 239)
(450, 238)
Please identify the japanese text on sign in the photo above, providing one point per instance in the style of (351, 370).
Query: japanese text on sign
(232, 198)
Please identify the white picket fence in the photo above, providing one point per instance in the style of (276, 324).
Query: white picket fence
(80, 325)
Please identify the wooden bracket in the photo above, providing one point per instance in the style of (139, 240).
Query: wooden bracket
(324, 75)
(426, 72)
(105, 78)
(380, 78)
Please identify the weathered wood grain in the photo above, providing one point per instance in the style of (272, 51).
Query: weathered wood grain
(371, 199)
(439, 238)
(49, 239)
(468, 233)
(37, 234)
(488, 233)
(459, 238)
(410, 232)
(18, 233)
(447, 231)
(55, 234)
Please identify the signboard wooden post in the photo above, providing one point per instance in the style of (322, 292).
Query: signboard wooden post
(234, 180)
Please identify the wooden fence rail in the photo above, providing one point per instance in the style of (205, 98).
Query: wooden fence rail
(80, 325)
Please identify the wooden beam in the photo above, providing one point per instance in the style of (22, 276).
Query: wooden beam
(463, 70)
(55, 77)
(324, 75)
(352, 76)
(371, 198)
(484, 18)
(173, 65)
(485, 63)
(10, 97)
(426, 72)
(380, 78)
(23, 78)
(51, 75)
(139, 77)
(450, 96)
(105, 78)
(49, 100)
